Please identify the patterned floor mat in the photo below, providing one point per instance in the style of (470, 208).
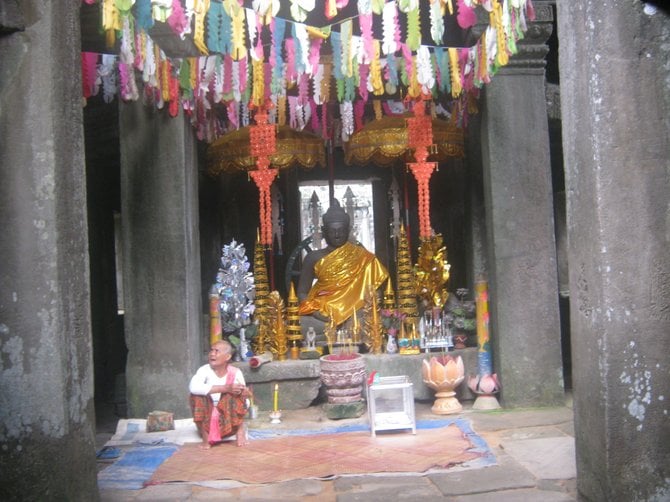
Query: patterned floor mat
(326, 456)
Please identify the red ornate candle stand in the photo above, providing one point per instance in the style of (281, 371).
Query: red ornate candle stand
(262, 144)
(420, 137)
(264, 178)
(262, 136)
(422, 171)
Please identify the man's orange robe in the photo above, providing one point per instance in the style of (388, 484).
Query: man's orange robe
(344, 277)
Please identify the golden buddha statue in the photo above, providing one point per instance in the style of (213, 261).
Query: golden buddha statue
(344, 272)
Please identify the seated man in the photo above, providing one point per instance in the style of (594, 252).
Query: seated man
(344, 272)
(218, 397)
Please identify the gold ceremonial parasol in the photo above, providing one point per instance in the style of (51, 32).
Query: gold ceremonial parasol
(230, 152)
(384, 141)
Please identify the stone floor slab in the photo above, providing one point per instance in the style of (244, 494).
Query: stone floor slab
(524, 495)
(290, 490)
(507, 475)
(117, 495)
(546, 458)
(206, 494)
(504, 419)
(385, 488)
(542, 431)
(172, 491)
(345, 483)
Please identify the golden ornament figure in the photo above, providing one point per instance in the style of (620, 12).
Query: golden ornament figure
(215, 330)
(279, 342)
(259, 342)
(431, 272)
(294, 334)
(374, 332)
(389, 297)
(330, 332)
(391, 319)
(261, 280)
(405, 282)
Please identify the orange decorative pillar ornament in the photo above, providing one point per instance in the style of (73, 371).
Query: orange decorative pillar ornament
(422, 171)
(420, 137)
(264, 179)
(262, 144)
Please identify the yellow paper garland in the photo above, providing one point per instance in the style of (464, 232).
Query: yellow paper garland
(456, 86)
(200, 9)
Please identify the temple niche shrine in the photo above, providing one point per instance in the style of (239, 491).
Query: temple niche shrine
(500, 165)
(240, 123)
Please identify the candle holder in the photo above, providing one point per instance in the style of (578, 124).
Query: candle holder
(275, 417)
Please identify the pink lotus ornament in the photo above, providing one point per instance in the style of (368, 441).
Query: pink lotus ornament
(444, 374)
(485, 386)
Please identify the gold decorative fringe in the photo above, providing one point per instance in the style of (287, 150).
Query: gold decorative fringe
(231, 153)
(384, 142)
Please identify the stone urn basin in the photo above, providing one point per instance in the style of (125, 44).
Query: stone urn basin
(343, 376)
(444, 374)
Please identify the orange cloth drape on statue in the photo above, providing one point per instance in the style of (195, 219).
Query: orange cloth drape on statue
(343, 279)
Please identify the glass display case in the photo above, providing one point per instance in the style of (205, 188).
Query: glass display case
(391, 404)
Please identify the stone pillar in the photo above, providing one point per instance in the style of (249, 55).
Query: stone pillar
(615, 106)
(476, 264)
(161, 253)
(47, 448)
(520, 226)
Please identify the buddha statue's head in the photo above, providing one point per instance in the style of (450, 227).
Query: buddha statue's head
(336, 224)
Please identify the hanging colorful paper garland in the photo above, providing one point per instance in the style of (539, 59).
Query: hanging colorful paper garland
(219, 27)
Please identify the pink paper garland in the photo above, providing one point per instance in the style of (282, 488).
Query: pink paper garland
(291, 73)
(359, 110)
(177, 20)
(123, 79)
(89, 61)
(243, 74)
(303, 89)
(365, 22)
(227, 74)
(407, 56)
(315, 54)
(466, 16)
(364, 72)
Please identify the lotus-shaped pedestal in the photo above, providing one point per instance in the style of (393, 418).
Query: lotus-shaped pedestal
(444, 374)
(485, 386)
